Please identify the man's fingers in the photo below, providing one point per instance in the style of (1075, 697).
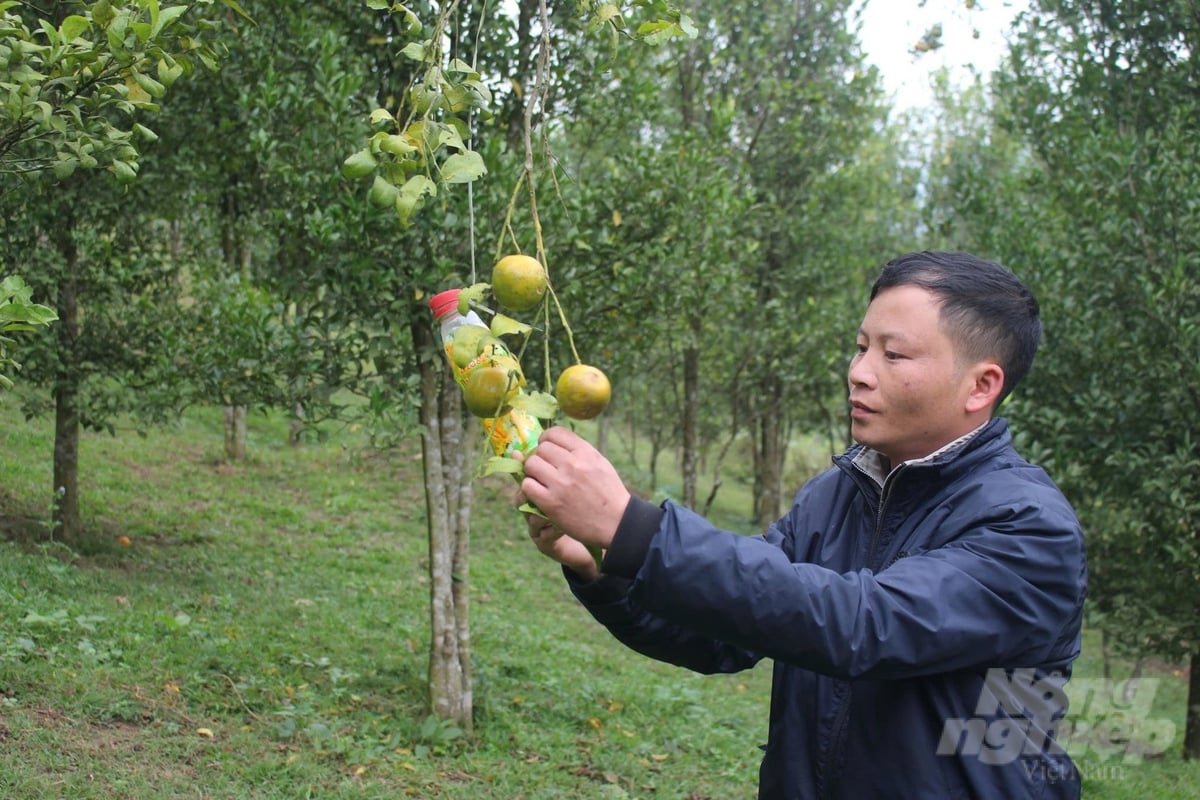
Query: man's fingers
(556, 447)
(545, 461)
(547, 451)
(565, 438)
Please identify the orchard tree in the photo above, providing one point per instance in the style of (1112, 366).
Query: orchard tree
(800, 144)
(1096, 201)
(443, 123)
(264, 217)
(80, 79)
(78, 75)
(742, 205)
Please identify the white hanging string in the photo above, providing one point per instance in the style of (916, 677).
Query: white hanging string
(471, 132)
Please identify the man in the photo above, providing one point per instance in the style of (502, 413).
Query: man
(921, 599)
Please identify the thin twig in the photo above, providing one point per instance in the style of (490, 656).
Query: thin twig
(537, 99)
(241, 699)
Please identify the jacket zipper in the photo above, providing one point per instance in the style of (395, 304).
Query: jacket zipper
(839, 723)
(884, 493)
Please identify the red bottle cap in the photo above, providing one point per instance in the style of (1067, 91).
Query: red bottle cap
(443, 303)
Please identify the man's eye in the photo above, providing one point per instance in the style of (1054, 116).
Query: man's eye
(892, 355)
(860, 348)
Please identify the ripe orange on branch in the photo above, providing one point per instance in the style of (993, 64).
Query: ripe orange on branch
(519, 282)
(489, 391)
(582, 391)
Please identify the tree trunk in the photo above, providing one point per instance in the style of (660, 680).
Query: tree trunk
(68, 524)
(603, 428)
(1191, 736)
(235, 251)
(292, 316)
(296, 425)
(235, 433)
(691, 413)
(525, 56)
(448, 499)
(716, 470)
(655, 452)
(770, 451)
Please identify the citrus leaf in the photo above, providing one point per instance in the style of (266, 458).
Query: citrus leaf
(473, 295)
(125, 172)
(136, 93)
(237, 7)
(451, 138)
(74, 26)
(359, 165)
(166, 17)
(13, 315)
(463, 167)
(395, 144)
(168, 71)
(504, 325)
(14, 288)
(149, 85)
(607, 12)
(412, 196)
(536, 404)
(415, 51)
(460, 67)
(412, 23)
(657, 31)
(65, 167)
(383, 192)
(502, 465)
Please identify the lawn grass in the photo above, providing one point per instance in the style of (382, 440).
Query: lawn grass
(263, 634)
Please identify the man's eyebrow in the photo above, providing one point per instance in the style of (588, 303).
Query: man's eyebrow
(885, 337)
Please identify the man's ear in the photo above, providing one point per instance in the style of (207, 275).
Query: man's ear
(987, 381)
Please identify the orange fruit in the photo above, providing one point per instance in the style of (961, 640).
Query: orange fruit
(509, 362)
(489, 390)
(519, 282)
(582, 391)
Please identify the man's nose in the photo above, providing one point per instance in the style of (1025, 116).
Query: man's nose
(859, 373)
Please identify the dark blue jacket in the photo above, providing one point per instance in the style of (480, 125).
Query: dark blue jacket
(921, 629)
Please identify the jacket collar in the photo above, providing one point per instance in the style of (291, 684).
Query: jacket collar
(876, 466)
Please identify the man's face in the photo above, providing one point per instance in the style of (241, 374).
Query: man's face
(908, 391)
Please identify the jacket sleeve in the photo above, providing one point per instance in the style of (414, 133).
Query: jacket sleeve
(1007, 590)
(609, 602)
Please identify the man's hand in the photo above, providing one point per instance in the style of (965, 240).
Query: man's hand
(563, 549)
(575, 487)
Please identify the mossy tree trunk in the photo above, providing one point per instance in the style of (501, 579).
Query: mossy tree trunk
(68, 523)
(1191, 738)
(448, 500)
(691, 416)
(770, 451)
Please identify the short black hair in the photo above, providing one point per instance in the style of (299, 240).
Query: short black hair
(986, 310)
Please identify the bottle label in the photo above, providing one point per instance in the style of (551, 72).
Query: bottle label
(515, 432)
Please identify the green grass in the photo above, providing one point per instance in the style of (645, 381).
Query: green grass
(264, 635)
